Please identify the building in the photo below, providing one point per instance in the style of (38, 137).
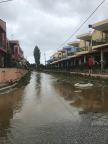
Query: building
(94, 43)
(100, 41)
(56, 56)
(69, 50)
(11, 54)
(16, 51)
(3, 42)
(85, 41)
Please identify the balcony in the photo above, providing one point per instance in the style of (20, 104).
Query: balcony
(85, 36)
(2, 49)
(74, 43)
(99, 42)
(101, 26)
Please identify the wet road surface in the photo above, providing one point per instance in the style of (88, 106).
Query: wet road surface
(51, 112)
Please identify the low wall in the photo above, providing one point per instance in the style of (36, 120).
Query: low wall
(7, 74)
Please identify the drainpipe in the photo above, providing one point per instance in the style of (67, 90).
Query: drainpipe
(90, 45)
(67, 64)
(58, 66)
(102, 60)
(84, 59)
(85, 46)
(74, 62)
(80, 61)
(71, 63)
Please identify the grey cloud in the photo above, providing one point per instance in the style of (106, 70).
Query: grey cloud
(47, 23)
(65, 8)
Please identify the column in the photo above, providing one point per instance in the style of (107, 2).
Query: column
(102, 60)
(84, 59)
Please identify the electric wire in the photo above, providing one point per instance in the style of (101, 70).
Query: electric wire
(81, 25)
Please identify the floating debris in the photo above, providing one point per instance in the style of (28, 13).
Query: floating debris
(83, 85)
(78, 91)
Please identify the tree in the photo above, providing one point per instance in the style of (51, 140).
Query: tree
(37, 56)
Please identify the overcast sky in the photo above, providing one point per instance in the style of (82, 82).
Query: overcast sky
(48, 23)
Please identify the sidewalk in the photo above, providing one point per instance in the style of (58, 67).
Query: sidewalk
(3, 85)
(104, 75)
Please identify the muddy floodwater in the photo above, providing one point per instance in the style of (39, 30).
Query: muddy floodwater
(47, 111)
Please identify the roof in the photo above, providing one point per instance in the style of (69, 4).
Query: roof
(74, 43)
(101, 26)
(85, 36)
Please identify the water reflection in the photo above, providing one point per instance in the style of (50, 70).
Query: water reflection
(38, 77)
(65, 90)
(89, 100)
(9, 105)
(41, 113)
(93, 100)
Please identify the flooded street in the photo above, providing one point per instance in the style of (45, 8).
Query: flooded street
(51, 112)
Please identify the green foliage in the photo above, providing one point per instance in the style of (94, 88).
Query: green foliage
(27, 65)
(37, 56)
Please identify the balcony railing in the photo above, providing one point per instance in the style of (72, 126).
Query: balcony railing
(99, 42)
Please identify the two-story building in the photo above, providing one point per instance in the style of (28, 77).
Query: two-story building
(16, 51)
(85, 41)
(94, 43)
(100, 41)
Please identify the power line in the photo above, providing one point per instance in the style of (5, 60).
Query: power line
(82, 24)
(5, 1)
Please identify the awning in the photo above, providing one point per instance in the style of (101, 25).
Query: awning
(74, 43)
(2, 50)
(86, 36)
(101, 26)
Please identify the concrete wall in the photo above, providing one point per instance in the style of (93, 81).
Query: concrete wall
(7, 74)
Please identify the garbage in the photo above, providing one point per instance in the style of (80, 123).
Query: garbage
(83, 85)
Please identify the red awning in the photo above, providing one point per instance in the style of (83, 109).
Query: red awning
(2, 50)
